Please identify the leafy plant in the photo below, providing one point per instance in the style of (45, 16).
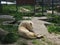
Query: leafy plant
(10, 38)
(53, 28)
(9, 28)
(54, 19)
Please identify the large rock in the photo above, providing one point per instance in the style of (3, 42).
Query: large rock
(7, 17)
(24, 9)
(8, 22)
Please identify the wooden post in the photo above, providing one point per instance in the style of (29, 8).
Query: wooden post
(34, 7)
(42, 6)
(16, 6)
(52, 7)
(0, 7)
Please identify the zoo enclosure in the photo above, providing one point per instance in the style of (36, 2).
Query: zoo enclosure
(39, 6)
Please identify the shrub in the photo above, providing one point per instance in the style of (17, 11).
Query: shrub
(10, 38)
(53, 28)
(17, 16)
(10, 28)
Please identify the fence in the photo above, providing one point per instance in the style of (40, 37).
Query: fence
(37, 7)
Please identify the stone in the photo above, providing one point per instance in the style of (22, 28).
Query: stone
(7, 17)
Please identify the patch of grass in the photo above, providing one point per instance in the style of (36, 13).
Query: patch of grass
(11, 10)
(53, 28)
(38, 14)
(32, 14)
(48, 42)
(8, 9)
(35, 42)
(54, 19)
(17, 16)
(27, 14)
(42, 42)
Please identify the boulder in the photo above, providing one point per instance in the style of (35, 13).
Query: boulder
(6, 17)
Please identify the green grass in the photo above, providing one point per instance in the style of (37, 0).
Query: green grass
(36, 42)
(11, 10)
(53, 18)
(8, 9)
(54, 29)
(43, 41)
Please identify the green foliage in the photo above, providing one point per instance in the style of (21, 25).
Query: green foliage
(43, 41)
(9, 28)
(36, 42)
(11, 10)
(31, 14)
(54, 19)
(10, 38)
(8, 9)
(27, 14)
(38, 14)
(53, 28)
(17, 16)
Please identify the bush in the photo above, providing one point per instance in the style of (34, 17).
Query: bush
(17, 16)
(9, 28)
(10, 38)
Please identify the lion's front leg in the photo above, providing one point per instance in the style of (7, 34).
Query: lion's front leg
(33, 35)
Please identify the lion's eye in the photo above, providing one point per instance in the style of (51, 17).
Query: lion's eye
(31, 24)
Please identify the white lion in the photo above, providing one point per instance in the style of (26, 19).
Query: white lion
(25, 29)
